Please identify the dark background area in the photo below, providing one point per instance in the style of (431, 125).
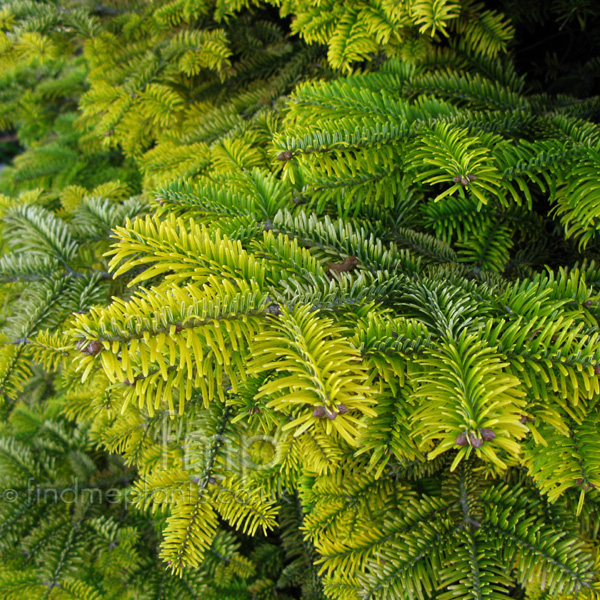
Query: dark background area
(557, 44)
(9, 146)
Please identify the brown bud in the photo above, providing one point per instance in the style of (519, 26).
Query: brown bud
(464, 181)
(319, 412)
(330, 414)
(578, 481)
(178, 328)
(523, 419)
(597, 369)
(94, 347)
(588, 303)
(475, 441)
(285, 156)
(90, 348)
(349, 264)
(274, 309)
(487, 434)
(456, 179)
(471, 177)
(342, 409)
(461, 439)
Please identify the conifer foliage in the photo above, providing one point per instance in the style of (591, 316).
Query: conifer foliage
(300, 300)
